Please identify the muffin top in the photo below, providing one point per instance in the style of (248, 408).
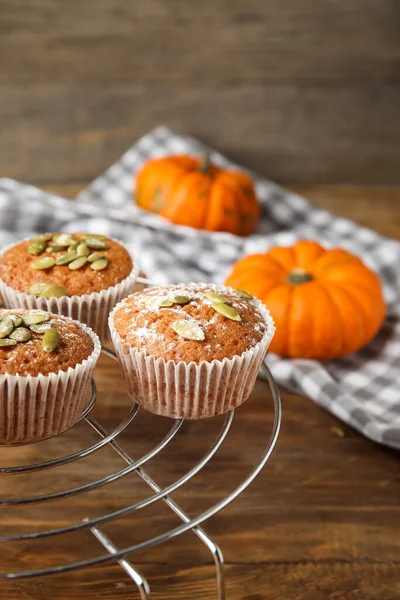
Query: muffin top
(61, 264)
(36, 342)
(190, 322)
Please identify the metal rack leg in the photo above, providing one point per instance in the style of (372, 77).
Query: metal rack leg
(201, 534)
(140, 581)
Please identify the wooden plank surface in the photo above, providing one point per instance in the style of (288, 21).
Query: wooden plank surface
(302, 91)
(321, 522)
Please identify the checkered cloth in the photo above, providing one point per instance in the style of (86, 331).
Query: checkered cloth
(361, 389)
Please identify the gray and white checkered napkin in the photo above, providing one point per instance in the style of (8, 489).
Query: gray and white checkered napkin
(361, 389)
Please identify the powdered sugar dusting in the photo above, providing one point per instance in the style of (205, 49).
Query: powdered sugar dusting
(144, 324)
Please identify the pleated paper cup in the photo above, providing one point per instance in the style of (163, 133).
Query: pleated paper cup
(34, 408)
(92, 309)
(190, 390)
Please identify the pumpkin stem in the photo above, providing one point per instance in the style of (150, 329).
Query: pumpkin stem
(299, 276)
(205, 163)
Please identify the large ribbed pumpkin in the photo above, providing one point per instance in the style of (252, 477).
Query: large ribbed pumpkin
(325, 303)
(194, 192)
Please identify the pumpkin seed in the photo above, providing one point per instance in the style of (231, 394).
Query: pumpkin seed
(36, 248)
(65, 259)
(6, 326)
(82, 250)
(99, 264)
(153, 301)
(73, 248)
(37, 288)
(181, 300)
(78, 263)
(243, 294)
(40, 327)
(166, 303)
(51, 290)
(21, 334)
(55, 248)
(63, 240)
(190, 330)
(7, 342)
(215, 297)
(43, 263)
(43, 237)
(95, 243)
(16, 319)
(95, 236)
(226, 311)
(95, 256)
(34, 317)
(50, 340)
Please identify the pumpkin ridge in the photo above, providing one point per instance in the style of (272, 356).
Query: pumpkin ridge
(280, 341)
(279, 264)
(350, 297)
(349, 290)
(338, 313)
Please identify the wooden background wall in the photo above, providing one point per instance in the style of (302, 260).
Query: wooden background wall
(301, 90)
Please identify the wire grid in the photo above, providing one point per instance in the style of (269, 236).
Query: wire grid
(120, 555)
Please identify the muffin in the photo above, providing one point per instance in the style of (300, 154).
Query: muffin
(82, 276)
(190, 351)
(46, 364)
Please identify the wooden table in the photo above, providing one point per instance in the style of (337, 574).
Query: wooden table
(321, 522)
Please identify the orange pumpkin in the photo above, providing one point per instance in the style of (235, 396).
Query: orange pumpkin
(325, 303)
(194, 192)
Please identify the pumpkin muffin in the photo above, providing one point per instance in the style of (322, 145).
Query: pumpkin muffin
(190, 350)
(46, 363)
(82, 276)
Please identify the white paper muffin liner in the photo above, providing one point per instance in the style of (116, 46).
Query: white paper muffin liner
(191, 390)
(92, 309)
(33, 408)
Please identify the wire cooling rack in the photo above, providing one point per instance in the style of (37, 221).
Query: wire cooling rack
(105, 438)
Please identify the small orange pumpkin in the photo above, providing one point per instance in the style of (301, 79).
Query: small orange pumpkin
(325, 303)
(194, 192)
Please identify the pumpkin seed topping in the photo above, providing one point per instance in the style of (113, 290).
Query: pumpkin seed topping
(6, 326)
(78, 263)
(226, 311)
(50, 340)
(100, 264)
(37, 288)
(65, 259)
(73, 248)
(36, 247)
(181, 300)
(43, 263)
(95, 256)
(43, 237)
(21, 334)
(190, 330)
(34, 317)
(88, 246)
(243, 294)
(63, 240)
(55, 248)
(47, 290)
(36, 322)
(83, 250)
(215, 297)
(166, 303)
(95, 236)
(96, 244)
(16, 319)
(7, 342)
(40, 327)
